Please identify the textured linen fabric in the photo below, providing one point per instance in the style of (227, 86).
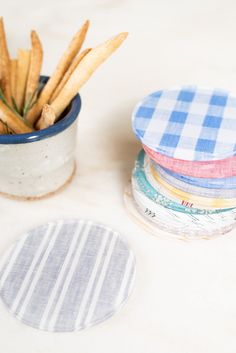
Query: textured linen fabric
(182, 184)
(213, 169)
(67, 275)
(221, 184)
(143, 218)
(180, 224)
(196, 201)
(188, 123)
(158, 195)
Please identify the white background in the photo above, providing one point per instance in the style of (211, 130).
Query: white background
(185, 293)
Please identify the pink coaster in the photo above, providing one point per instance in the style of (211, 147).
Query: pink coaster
(211, 169)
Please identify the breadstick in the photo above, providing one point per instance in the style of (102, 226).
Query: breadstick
(47, 117)
(15, 123)
(84, 70)
(3, 128)
(36, 59)
(13, 63)
(59, 72)
(68, 73)
(5, 64)
(22, 75)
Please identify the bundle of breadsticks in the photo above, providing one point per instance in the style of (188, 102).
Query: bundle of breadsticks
(25, 103)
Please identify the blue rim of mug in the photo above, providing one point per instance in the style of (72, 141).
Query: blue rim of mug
(61, 125)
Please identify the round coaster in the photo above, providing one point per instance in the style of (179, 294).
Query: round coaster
(178, 220)
(67, 275)
(182, 184)
(214, 169)
(228, 184)
(196, 200)
(174, 224)
(159, 195)
(142, 221)
(188, 123)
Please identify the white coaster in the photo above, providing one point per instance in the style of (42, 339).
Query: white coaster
(156, 218)
(67, 275)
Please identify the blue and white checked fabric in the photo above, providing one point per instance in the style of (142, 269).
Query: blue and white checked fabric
(188, 123)
(67, 275)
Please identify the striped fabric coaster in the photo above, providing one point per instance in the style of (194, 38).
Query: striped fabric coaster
(67, 275)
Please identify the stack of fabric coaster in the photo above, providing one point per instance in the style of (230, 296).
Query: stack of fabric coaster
(184, 180)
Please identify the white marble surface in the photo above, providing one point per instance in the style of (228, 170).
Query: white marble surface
(185, 293)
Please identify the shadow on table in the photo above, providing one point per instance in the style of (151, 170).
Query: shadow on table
(122, 145)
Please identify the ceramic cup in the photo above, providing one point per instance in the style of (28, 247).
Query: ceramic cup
(37, 164)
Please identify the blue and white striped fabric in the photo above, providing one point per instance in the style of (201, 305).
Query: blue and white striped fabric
(208, 183)
(188, 123)
(67, 275)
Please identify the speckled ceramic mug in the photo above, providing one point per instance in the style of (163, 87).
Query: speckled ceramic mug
(37, 164)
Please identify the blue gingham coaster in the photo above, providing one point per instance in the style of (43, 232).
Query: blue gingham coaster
(67, 275)
(188, 123)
